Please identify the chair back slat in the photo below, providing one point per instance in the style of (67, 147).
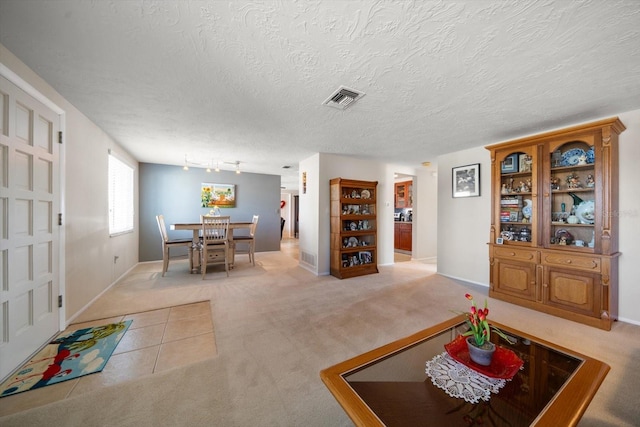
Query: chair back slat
(163, 228)
(215, 229)
(254, 225)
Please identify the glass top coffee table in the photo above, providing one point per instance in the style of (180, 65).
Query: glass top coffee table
(388, 386)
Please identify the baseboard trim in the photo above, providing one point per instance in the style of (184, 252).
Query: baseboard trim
(86, 306)
(484, 285)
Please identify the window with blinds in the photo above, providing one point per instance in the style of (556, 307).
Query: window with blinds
(120, 196)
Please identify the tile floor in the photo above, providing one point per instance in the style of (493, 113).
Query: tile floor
(156, 341)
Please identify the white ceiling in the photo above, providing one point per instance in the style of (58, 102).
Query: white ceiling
(227, 81)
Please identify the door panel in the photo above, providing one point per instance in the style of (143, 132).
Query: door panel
(515, 278)
(29, 235)
(574, 291)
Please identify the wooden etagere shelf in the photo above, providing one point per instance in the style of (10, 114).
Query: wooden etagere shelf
(553, 241)
(353, 228)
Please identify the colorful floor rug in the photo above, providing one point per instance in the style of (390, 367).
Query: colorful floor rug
(70, 355)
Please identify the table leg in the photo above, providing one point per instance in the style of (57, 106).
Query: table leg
(232, 248)
(196, 252)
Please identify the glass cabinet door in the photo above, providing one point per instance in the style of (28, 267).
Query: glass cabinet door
(517, 206)
(572, 195)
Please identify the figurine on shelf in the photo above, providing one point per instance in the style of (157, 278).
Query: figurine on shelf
(573, 181)
(504, 190)
(555, 183)
(590, 181)
(582, 160)
(524, 188)
(563, 241)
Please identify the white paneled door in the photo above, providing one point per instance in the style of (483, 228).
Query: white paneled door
(29, 234)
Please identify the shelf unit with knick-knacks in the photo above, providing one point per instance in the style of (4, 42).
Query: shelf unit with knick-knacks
(353, 227)
(553, 238)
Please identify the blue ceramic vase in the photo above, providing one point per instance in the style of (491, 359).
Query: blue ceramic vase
(481, 355)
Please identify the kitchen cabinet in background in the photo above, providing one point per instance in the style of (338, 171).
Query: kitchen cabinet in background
(403, 194)
(402, 235)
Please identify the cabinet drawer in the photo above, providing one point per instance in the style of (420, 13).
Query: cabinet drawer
(526, 255)
(587, 263)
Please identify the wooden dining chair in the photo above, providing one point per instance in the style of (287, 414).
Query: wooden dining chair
(167, 244)
(249, 240)
(215, 242)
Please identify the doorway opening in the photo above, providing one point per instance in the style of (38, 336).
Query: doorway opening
(403, 218)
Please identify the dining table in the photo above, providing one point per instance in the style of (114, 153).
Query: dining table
(196, 228)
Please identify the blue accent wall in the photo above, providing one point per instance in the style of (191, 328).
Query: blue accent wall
(175, 193)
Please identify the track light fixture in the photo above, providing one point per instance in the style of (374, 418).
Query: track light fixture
(209, 166)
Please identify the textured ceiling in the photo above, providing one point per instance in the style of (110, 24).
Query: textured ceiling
(226, 81)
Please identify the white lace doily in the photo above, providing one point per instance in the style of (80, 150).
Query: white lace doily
(461, 382)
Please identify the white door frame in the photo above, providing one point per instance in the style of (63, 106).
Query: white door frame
(36, 94)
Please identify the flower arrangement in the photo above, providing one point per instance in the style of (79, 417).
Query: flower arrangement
(479, 325)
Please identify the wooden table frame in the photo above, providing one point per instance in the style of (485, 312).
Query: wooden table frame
(196, 227)
(565, 409)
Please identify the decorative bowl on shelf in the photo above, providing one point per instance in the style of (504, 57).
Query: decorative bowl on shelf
(572, 157)
(586, 212)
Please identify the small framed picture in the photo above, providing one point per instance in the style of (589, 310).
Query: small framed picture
(524, 163)
(509, 164)
(466, 180)
(499, 241)
(365, 257)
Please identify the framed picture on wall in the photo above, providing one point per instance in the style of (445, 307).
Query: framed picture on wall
(217, 195)
(466, 180)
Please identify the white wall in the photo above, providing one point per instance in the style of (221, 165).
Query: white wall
(425, 215)
(629, 211)
(309, 212)
(464, 223)
(89, 252)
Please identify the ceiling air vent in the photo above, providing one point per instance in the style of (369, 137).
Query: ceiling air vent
(343, 98)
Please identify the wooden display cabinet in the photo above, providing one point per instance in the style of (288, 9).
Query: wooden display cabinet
(353, 228)
(554, 235)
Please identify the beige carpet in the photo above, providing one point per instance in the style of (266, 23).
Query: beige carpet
(277, 326)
